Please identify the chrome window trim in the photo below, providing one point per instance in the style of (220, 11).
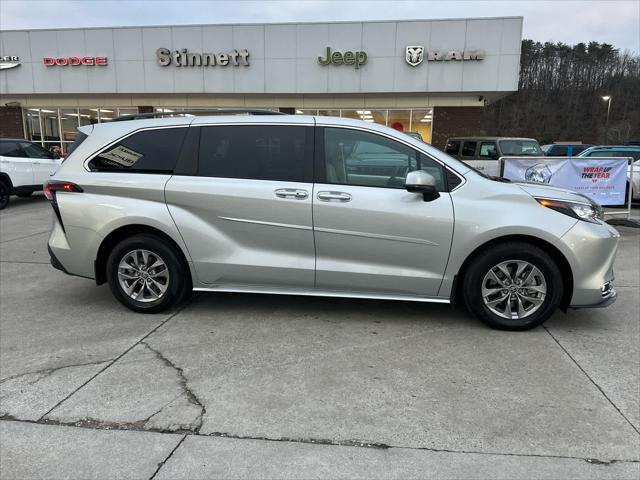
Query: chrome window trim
(375, 132)
(119, 139)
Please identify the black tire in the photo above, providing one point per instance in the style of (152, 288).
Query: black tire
(24, 194)
(178, 284)
(5, 194)
(517, 251)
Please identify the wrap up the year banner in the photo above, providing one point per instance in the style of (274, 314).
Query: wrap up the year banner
(601, 179)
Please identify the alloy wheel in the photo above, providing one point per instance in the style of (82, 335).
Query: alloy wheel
(143, 275)
(514, 289)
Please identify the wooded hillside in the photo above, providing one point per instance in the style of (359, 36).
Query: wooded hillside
(560, 95)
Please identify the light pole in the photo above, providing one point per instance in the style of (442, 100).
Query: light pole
(607, 98)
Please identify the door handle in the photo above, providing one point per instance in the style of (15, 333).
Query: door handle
(334, 196)
(292, 193)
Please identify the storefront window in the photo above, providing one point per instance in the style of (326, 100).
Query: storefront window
(371, 116)
(399, 120)
(127, 111)
(306, 112)
(32, 121)
(69, 124)
(329, 113)
(88, 116)
(421, 121)
(50, 127)
(105, 114)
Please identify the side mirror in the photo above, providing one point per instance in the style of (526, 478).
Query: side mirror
(493, 153)
(420, 181)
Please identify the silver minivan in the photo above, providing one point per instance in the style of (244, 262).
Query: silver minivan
(286, 204)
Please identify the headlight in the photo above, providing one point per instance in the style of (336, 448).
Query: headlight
(589, 212)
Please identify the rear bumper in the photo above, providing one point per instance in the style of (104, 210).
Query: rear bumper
(55, 263)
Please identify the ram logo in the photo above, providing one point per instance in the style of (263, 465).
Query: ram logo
(414, 55)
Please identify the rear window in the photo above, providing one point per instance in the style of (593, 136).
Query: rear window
(257, 152)
(518, 148)
(148, 151)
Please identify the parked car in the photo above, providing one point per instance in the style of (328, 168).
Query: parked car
(318, 206)
(621, 151)
(24, 167)
(563, 149)
(482, 153)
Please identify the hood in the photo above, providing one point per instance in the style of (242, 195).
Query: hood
(538, 190)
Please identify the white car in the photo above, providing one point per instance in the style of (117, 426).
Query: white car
(24, 167)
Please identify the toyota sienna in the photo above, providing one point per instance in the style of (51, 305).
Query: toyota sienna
(284, 204)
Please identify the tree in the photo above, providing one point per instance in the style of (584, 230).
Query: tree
(560, 95)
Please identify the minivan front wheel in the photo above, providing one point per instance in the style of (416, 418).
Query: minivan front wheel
(513, 286)
(146, 274)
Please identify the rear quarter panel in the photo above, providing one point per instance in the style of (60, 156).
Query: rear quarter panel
(110, 201)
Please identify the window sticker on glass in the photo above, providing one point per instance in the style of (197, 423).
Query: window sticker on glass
(122, 155)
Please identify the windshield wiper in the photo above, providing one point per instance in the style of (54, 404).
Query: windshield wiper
(499, 179)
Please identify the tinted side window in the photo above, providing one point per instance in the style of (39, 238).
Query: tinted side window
(148, 151)
(452, 148)
(354, 157)
(257, 152)
(10, 149)
(469, 149)
(35, 151)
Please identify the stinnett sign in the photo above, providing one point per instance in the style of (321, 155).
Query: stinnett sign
(183, 58)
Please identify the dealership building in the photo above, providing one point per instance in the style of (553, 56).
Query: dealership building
(426, 76)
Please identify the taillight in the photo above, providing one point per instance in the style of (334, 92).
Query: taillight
(52, 186)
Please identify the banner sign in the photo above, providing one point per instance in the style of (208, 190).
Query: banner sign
(601, 179)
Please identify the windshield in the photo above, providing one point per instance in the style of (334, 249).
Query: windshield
(519, 148)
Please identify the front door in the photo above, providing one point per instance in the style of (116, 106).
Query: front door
(371, 235)
(246, 216)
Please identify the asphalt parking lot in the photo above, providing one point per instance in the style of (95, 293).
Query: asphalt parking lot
(261, 386)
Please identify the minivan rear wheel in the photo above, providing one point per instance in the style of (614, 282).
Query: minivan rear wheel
(513, 286)
(146, 274)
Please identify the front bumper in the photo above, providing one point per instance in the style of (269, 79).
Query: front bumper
(607, 299)
(591, 250)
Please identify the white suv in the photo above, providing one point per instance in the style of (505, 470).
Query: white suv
(24, 167)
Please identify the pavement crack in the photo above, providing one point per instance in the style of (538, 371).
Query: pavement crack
(138, 426)
(151, 332)
(184, 384)
(46, 372)
(161, 464)
(591, 379)
(25, 236)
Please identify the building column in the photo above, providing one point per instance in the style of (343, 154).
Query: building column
(11, 125)
(454, 122)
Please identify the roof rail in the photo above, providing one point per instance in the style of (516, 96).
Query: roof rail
(250, 111)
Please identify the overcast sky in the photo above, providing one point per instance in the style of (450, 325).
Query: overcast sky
(569, 21)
